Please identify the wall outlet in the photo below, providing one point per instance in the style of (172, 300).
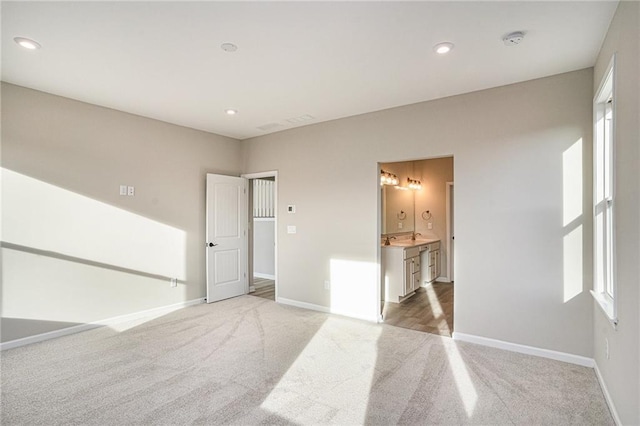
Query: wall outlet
(429, 225)
(399, 225)
(291, 229)
(131, 191)
(606, 347)
(174, 282)
(327, 285)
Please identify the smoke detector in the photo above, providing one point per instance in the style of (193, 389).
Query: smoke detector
(229, 47)
(513, 38)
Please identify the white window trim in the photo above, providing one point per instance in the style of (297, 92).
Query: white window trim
(607, 304)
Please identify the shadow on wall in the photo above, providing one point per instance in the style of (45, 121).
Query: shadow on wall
(69, 259)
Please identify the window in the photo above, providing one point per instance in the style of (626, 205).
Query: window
(604, 195)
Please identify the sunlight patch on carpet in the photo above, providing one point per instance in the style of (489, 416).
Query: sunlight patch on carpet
(318, 372)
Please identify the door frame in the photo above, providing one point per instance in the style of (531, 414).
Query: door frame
(449, 219)
(249, 177)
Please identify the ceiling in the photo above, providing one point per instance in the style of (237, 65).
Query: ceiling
(295, 60)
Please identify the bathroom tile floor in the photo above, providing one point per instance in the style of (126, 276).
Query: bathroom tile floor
(429, 310)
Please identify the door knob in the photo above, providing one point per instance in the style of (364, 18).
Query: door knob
(212, 245)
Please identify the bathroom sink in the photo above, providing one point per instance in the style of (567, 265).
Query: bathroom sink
(409, 243)
(404, 243)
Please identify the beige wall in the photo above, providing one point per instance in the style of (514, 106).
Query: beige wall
(512, 273)
(108, 255)
(621, 372)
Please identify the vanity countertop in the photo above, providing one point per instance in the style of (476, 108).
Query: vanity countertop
(402, 244)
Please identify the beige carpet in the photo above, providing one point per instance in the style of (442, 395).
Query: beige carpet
(250, 361)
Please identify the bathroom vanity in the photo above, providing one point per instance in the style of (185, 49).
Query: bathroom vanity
(407, 265)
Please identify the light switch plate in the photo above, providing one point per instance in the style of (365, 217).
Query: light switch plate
(291, 229)
(123, 189)
(429, 225)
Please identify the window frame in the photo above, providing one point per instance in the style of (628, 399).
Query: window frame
(604, 262)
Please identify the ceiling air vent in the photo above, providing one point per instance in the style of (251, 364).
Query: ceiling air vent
(269, 126)
(300, 119)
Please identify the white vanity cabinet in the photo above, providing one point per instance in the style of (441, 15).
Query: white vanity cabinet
(431, 261)
(402, 269)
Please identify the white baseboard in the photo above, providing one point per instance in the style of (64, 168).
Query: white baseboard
(252, 288)
(320, 308)
(303, 305)
(109, 321)
(607, 395)
(265, 276)
(443, 280)
(523, 349)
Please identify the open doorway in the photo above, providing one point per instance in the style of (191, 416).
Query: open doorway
(262, 234)
(416, 255)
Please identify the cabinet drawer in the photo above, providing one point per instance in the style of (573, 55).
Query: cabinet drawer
(411, 252)
(434, 246)
(416, 281)
(416, 264)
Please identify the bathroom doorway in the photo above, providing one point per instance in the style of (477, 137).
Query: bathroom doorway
(415, 229)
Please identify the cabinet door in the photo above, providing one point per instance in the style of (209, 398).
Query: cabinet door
(436, 263)
(407, 285)
(416, 281)
(431, 274)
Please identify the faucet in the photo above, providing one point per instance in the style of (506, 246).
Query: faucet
(387, 242)
(414, 235)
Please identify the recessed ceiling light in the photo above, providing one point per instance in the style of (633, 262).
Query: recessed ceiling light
(229, 47)
(27, 43)
(442, 48)
(231, 111)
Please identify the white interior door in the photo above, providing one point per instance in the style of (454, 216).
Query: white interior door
(226, 237)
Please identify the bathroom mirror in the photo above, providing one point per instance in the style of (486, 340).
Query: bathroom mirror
(398, 202)
(397, 210)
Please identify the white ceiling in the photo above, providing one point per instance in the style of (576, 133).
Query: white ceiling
(325, 59)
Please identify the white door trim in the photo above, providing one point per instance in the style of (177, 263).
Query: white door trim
(380, 282)
(259, 175)
(448, 217)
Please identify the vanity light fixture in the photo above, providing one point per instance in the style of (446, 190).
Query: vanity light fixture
(27, 43)
(414, 184)
(387, 178)
(443, 48)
